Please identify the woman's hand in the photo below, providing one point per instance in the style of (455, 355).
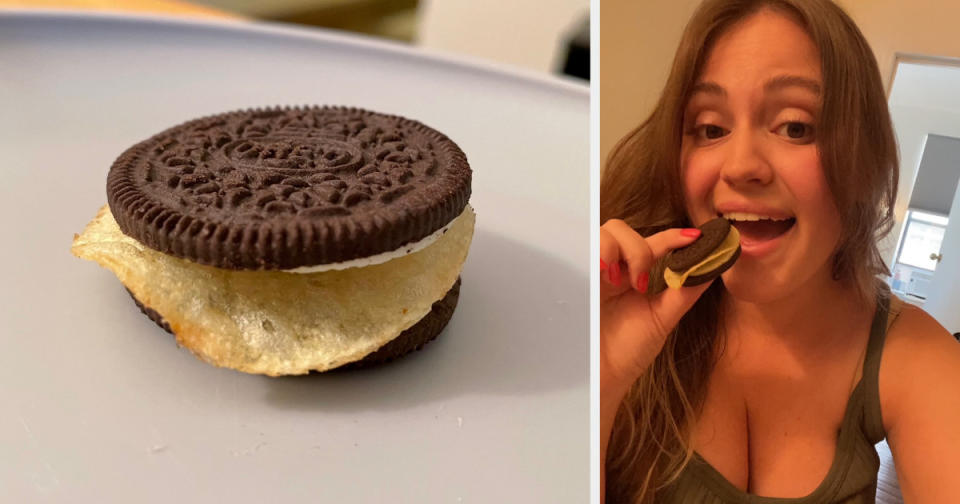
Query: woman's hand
(634, 326)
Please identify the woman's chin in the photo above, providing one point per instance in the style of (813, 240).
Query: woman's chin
(753, 287)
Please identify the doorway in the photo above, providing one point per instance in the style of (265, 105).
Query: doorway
(924, 245)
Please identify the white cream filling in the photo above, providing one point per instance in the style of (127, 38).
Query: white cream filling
(381, 257)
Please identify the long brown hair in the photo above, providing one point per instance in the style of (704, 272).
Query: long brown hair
(652, 436)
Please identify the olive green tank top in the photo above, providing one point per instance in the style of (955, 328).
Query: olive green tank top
(852, 478)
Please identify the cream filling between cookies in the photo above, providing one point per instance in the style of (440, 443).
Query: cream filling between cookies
(278, 323)
(383, 256)
(720, 255)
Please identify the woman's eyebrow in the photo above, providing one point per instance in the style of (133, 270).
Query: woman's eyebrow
(708, 87)
(785, 81)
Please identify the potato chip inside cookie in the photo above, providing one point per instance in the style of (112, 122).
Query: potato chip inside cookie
(274, 322)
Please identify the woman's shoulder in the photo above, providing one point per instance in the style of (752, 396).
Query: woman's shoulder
(919, 357)
(919, 387)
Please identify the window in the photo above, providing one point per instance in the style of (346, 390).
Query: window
(922, 237)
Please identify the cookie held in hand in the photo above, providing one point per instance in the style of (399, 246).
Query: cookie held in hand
(705, 259)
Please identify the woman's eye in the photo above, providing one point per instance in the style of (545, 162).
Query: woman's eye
(796, 130)
(710, 131)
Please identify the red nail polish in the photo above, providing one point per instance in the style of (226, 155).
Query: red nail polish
(691, 232)
(615, 274)
(603, 265)
(642, 281)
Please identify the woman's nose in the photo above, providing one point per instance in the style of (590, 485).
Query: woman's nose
(746, 165)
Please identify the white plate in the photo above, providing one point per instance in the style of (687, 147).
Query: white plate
(99, 405)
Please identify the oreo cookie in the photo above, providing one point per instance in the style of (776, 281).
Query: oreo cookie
(281, 188)
(714, 252)
(288, 240)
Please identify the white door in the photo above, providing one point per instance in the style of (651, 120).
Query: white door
(943, 293)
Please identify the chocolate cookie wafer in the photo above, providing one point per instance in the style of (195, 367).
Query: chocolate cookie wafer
(285, 240)
(715, 251)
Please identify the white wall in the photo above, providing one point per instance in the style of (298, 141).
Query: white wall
(637, 42)
(906, 26)
(524, 33)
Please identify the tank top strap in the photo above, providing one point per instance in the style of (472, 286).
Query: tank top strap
(888, 307)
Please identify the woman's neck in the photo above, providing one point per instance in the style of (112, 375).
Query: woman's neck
(810, 317)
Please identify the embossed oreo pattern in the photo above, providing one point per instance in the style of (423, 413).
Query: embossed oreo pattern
(281, 188)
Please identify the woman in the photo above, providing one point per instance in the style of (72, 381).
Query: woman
(778, 380)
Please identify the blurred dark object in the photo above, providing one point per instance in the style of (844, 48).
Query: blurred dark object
(577, 61)
(395, 19)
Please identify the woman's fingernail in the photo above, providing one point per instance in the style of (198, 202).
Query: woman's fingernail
(615, 274)
(691, 232)
(642, 281)
(603, 265)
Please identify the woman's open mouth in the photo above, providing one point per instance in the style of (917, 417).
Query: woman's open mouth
(756, 231)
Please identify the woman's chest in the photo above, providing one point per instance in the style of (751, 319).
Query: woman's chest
(770, 426)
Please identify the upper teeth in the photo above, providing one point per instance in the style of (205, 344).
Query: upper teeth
(743, 216)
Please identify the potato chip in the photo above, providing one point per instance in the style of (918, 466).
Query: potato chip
(274, 322)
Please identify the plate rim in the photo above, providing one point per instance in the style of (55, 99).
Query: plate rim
(565, 85)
